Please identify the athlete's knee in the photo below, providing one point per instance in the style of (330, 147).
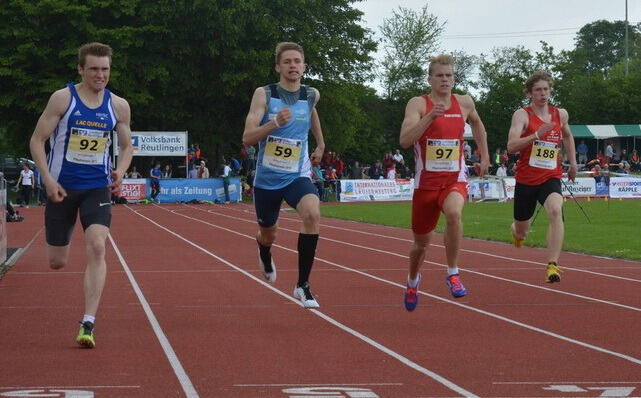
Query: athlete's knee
(453, 217)
(267, 236)
(96, 248)
(311, 217)
(554, 212)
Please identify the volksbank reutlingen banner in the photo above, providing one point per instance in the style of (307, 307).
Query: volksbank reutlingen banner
(157, 143)
(183, 189)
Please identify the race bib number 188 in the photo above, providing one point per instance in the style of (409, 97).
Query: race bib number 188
(544, 155)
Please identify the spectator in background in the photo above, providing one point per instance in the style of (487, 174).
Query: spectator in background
(193, 171)
(468, 151)
(134, 173)
(191, 155)
(501, 171)
(339, 165)
(197, 153)
(634, 161)
(504, 157)
(398, 157)
(317, 178)
(235, 167)
(609, 153)
(356, 171)
(154, 174)
(511, 171)
(603, 160)
(251, 158)
(388, 161)
(26, 182)
(203, 171)
(391, 173)
(227, 173)
(376, 171)
(166, 173)
(582, 151)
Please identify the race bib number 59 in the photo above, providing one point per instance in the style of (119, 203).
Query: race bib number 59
(282, 154)
(87, 146)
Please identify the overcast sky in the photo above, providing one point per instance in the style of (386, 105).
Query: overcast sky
(476, 26)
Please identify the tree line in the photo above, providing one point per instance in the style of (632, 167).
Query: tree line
(194, 64)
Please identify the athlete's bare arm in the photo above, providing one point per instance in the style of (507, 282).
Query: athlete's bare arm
(125, 149)
(568, 143)
(478, 130)
(317, 132)
(254, 132)
(415, 121)
(519, 123)
(49, 119)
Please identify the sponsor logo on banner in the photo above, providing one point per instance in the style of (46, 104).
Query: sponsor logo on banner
(152, 143)
(133, 189)
(625, 187)
(376, 190)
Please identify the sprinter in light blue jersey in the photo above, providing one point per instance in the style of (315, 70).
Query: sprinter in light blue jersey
(279, 120)
(77, 172)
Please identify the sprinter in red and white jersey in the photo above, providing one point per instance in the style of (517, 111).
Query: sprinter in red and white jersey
(537, 132)
(434, 125)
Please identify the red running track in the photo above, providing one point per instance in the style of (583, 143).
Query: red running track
(185, 312)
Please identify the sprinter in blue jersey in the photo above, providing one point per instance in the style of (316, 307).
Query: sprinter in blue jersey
(77, 171)
(279, 120)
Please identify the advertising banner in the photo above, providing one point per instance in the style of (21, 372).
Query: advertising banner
(581, 186)
(188, 189)
(376, 190)
(156, 143)
(134, 189)
(625, 187)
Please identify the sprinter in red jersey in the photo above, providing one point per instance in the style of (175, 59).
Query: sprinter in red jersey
(537, 132)
(434, 125)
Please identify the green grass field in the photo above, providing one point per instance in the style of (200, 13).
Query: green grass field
(614, 230)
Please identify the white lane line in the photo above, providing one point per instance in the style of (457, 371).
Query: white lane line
(475, 251)
(487, 313)
(452, 386)
(318, 385)
(483, 274)
(179, 371)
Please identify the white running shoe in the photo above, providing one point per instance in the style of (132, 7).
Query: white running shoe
(270, 276)
(305, 296)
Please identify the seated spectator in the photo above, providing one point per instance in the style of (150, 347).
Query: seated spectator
(391, 173)
(166, 173)
(134, 173)
(634, 161)
(356, 172)
(376, 171)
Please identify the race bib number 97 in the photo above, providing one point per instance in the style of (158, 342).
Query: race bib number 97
(282, 154)
(442, 155)
(87, 146)
(544, 155)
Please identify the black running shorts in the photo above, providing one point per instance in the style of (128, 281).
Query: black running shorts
(94, 206)
(526, 196)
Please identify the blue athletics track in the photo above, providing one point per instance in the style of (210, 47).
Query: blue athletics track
(185, 312)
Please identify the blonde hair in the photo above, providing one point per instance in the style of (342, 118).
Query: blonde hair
(286, 46)
(443, 59)
(95, 49)
(536, 77)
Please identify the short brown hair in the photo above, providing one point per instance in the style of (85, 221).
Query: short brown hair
(536, 77)
(95, 49)
(285, 46)
(443, 59)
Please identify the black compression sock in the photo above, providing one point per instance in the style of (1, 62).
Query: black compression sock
(306, 253)
(266, 256)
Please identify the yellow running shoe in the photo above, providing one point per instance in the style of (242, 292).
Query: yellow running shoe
(516, 242)
(85, 335)
(553, 272)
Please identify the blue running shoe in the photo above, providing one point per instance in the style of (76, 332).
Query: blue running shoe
(411, 295)
(456, 287)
